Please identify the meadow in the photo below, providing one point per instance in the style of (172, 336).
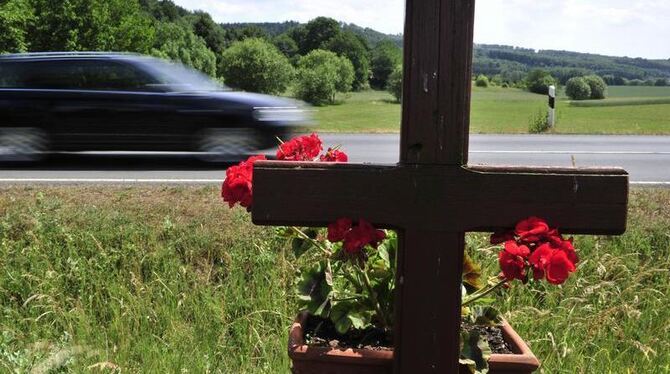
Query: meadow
(627, 110)
(168, 279)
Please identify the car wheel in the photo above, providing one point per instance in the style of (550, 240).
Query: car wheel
(22, 144)
(227, 145)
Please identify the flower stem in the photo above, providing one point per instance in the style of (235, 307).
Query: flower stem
(375, 299)
(483, 292)
(314, 242)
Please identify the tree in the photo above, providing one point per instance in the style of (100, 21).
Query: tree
(661, 82)
(321, 74)
(213, 34)
(256, 65)
(385, 57)
(177, 42)
(317, 33)
(348, 45)
(72, 25)
(482, 81)
(394, 84)
(286, 45)
(578, 89)
(538, 81)
(597, 85)
(15, 15)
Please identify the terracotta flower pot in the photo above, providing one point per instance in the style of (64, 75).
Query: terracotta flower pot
(326, 360)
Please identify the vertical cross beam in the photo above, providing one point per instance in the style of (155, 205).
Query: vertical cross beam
(435, 127)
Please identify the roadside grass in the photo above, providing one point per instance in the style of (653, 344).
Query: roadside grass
(628, 110)
(168, 279)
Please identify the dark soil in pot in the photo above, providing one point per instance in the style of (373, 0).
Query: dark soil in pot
(320, 332)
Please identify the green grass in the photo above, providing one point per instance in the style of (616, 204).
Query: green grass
(367, 111)
(629, 110)
(168, 279)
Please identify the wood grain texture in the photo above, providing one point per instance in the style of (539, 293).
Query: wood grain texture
(428, 298)
(436, 90)
(580, 200)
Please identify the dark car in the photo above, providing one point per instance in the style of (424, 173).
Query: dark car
(126, 102)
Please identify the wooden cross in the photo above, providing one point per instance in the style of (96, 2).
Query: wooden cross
(431, 197)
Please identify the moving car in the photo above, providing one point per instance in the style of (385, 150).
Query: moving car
(88, 101)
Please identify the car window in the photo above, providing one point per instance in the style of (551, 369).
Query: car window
(74, 74)
(112, 75)
(40, 74)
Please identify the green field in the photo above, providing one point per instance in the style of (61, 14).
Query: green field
(628, 110)
(169, 280)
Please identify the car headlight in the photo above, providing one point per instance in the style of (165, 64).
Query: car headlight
(275, 114)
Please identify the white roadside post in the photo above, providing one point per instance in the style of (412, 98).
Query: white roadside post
(551, 118)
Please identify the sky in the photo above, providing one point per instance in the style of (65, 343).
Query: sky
(633, 28)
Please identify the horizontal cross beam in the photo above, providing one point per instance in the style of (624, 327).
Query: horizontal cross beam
(577, 200)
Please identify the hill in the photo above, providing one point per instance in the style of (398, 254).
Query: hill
(513, 63)
(507, 60)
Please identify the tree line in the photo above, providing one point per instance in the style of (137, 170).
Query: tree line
(512, 64)
(314, 60)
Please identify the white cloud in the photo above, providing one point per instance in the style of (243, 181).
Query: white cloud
(613, 27)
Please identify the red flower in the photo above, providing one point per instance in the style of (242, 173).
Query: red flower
(337, 230)
(513, 267)
(559, 268)
(501, 237)
(569, 249)
(361, 235)
(334, 155)
(237, 186)
(539, 259)
(302, 148)
(532, 229)
(513, 248)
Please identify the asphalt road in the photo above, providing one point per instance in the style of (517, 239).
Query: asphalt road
(647, 159)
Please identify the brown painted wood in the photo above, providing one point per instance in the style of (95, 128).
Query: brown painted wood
(427, 328)
(580, 200)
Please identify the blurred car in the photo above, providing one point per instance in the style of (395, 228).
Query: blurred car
(87, 101)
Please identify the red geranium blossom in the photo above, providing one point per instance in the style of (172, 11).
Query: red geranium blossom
(237, 186)
(532, 229)
(512, 266)
(334, 155)
(517, 250)
(337, 230)
(302, 148)
(361, 235)
(539, 259)
(559, 268)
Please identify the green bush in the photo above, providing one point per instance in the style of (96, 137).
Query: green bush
(661, 82)
(578, 89)
(482, 81)
(598, 86)
(538, 81)
(321, 74)
(394, 84)
(256, 65)
(538, 122)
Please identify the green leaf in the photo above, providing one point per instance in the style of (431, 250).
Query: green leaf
(485, 316)
(314, 290)
(472, 273)
(346, 315)
(475, 352)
